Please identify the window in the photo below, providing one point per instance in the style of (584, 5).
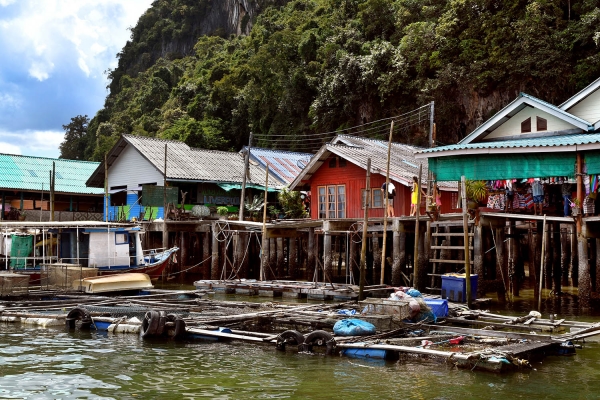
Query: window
(332, 162)
(542, 124)
(342, 163)
(526, 126)
(121, 238)
(332, 201)
(376, 198)
(454, 201)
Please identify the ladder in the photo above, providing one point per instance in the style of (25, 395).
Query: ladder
(447, 251)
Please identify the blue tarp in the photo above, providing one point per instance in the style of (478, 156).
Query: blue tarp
(353, 327)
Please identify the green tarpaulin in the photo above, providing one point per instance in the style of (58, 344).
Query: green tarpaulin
(497, 166)
(592, 162)
(20, 249)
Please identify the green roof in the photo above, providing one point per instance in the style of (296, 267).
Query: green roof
(33, 174)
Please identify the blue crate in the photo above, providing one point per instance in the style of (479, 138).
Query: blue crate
(439, 307)
(454, 287)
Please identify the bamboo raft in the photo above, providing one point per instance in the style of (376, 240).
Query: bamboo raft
(473, 339)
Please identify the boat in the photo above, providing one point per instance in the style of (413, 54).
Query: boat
(113, 283)
(30, 248)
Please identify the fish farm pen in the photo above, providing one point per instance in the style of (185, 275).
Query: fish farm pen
(375, 328)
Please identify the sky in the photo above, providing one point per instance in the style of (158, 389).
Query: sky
(53, 58)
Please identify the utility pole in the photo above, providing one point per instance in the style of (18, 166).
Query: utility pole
(363, 249)
(246, 167)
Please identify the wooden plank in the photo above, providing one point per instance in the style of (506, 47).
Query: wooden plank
(451, 247)
(448, 261)
(451, 234)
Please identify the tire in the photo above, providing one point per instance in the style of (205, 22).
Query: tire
(78, 315)
(320, 339)
(289, 337)
(180, 330)
(162, 318)
(150, 323)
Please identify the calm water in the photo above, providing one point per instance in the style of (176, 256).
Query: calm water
(52, 363)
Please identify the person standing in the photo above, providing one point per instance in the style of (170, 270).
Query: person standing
(537, 190)
(414, 197)
(391, 193)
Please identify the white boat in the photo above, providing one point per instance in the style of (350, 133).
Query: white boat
(114, 283)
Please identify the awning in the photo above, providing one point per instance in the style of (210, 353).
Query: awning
(230, 186)
(504, 166)
(592, 162)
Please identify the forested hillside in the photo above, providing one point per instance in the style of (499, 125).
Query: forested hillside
(314, 66)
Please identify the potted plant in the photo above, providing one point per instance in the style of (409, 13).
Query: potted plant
(222, 211)
(255, 206)
(476, 193)
(274, 212)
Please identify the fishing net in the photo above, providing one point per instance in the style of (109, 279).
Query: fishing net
(13, 284)
(64, 276)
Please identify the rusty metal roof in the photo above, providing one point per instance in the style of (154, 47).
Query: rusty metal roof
(286, 165)
(403, 164)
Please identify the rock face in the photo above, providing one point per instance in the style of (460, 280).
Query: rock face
(170, 29)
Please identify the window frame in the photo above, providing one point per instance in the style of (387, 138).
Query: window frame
(541, 121)
(332, 201)
(524, 125)
(374, 191)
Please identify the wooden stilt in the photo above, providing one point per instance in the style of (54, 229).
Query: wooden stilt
(214, 265)
(377, 256)
(205, 266)
(556, 257)
(310, 256)
(293, 258)
(501, 273)
(548, 257)
(565, 252)
(478, 259)
(280, 258)
(584, 288)
(272, 274)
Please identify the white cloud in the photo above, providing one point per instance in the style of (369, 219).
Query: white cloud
(8, 148)
(5, 3)
(41, 143)
(48, 33)
(8, 101)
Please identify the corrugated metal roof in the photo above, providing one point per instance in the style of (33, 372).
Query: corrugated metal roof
(547, 141)
(403, 163)
(33, 173)
(185, 163)
(286, 165)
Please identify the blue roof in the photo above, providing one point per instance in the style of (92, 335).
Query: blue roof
(33, 173)
(547, 141)
(286, 165)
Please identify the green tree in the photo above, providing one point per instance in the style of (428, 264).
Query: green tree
(74, 143)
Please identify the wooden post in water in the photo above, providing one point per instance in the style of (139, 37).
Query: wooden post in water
(292, 258)
(205, 267)
(585, 284)
(416, 282)
(542, 265)
(214, 265)
(377, 255)
(385, 195)
(556, 257)
(310, 259)
(399, 252)
(165, 231)
(467, 251)
(478, 259)
(363, 249)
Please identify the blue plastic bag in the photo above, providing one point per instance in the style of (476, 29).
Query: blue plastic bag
(353, 327)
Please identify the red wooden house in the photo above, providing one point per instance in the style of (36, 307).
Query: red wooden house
(336, 178)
